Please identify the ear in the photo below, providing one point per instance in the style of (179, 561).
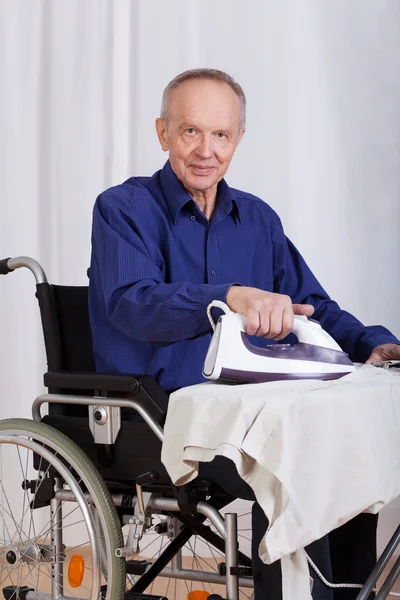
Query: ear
(161, 128)
(241, 134)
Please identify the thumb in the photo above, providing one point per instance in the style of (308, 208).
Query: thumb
(303, 309)
(374, 358)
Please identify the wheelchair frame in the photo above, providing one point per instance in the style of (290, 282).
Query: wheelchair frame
(105, 409)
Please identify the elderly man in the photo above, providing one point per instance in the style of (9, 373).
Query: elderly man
(164, 246)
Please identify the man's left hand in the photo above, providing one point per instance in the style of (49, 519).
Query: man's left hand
(384, 352)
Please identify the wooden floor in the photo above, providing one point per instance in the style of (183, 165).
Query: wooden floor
(173, 589)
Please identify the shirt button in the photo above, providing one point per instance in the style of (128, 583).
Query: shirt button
(213, 272)
(192, 218)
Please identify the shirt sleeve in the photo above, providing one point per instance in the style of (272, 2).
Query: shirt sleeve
(294, 278)
(131, 268)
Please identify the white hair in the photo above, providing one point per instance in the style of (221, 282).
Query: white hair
(204, 74)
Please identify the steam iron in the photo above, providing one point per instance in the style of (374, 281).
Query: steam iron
(232, 358)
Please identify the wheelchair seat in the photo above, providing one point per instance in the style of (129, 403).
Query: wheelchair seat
(136, 450)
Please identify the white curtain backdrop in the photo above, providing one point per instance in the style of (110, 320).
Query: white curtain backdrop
(81, 83)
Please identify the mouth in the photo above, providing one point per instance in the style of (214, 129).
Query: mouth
(201, 170)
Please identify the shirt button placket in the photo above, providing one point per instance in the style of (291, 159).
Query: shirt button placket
(212, 257)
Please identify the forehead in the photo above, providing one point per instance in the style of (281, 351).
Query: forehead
(210, 102)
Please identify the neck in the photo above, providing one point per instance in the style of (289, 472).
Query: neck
(205, 200)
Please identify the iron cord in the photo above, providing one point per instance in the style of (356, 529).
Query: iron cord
(340, 585)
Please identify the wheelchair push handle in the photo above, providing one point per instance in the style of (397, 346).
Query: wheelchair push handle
(4, 268)
(7, 265)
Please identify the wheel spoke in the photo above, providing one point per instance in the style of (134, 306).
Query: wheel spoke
(9, 512)
(195, 558)
(32, 521)
(149, 544)
(213, 552)
(40, 527)
(24, 477)
(21, 524)
(8, 532)
(64, 527)
(5, 578)
(159, 553)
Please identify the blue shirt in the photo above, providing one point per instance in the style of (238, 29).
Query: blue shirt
(157, 262)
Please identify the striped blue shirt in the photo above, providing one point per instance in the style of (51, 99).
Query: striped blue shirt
(157, 262)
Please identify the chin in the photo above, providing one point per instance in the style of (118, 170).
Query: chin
(201, 183)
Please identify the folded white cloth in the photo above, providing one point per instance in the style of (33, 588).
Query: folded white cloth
(316, 453)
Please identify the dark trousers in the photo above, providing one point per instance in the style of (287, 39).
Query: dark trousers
(347, 555)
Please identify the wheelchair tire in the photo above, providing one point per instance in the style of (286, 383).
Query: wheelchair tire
(70, 455)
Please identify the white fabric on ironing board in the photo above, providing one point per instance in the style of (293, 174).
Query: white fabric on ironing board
(316, 453)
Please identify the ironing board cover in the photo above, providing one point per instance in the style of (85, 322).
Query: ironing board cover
(316, 453)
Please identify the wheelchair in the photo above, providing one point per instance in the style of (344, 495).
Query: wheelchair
(99, 517)
(88, 509)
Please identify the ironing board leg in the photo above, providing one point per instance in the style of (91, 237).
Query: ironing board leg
(389, 581)
(231, 556)
(380, 565)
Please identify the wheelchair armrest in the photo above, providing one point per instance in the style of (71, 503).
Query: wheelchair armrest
(92, 381)
(142, 388)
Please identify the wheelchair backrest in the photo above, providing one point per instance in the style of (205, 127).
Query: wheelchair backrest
(66, 330)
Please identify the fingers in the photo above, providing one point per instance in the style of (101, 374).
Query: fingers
(287, 323)
(303, 309)
(264, 323)
(268, 314)
(274, 325)
(253, 322)
(384, 352)
(280, 323)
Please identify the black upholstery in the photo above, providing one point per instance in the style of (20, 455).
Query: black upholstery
(66, 328)
(71, 304)
(71, 371)
(136, 451)
(71, 366)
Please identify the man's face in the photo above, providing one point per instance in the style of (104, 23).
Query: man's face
(201, 133)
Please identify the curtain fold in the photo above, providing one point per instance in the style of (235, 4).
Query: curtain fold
(81, 84)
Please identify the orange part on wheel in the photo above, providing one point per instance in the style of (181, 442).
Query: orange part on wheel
(76, 570)
(197, 595)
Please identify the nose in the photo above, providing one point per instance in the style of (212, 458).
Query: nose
(204, 150)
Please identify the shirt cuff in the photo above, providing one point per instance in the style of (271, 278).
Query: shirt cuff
(370, 342)
(218, 292)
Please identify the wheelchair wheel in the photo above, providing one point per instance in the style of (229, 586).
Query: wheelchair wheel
(197, 555)
(48, 543)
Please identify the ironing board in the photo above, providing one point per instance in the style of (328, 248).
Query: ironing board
(316, 453)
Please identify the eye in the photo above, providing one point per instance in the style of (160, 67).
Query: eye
(190, 130)
(221, 136)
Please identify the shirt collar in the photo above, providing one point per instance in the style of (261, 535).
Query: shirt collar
(176, 195)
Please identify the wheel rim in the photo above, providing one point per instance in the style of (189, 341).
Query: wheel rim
(29, 554)
(97, 493)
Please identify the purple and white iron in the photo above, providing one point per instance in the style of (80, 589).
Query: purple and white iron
(231, 357)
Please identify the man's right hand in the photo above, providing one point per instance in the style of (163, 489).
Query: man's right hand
(269, 315)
